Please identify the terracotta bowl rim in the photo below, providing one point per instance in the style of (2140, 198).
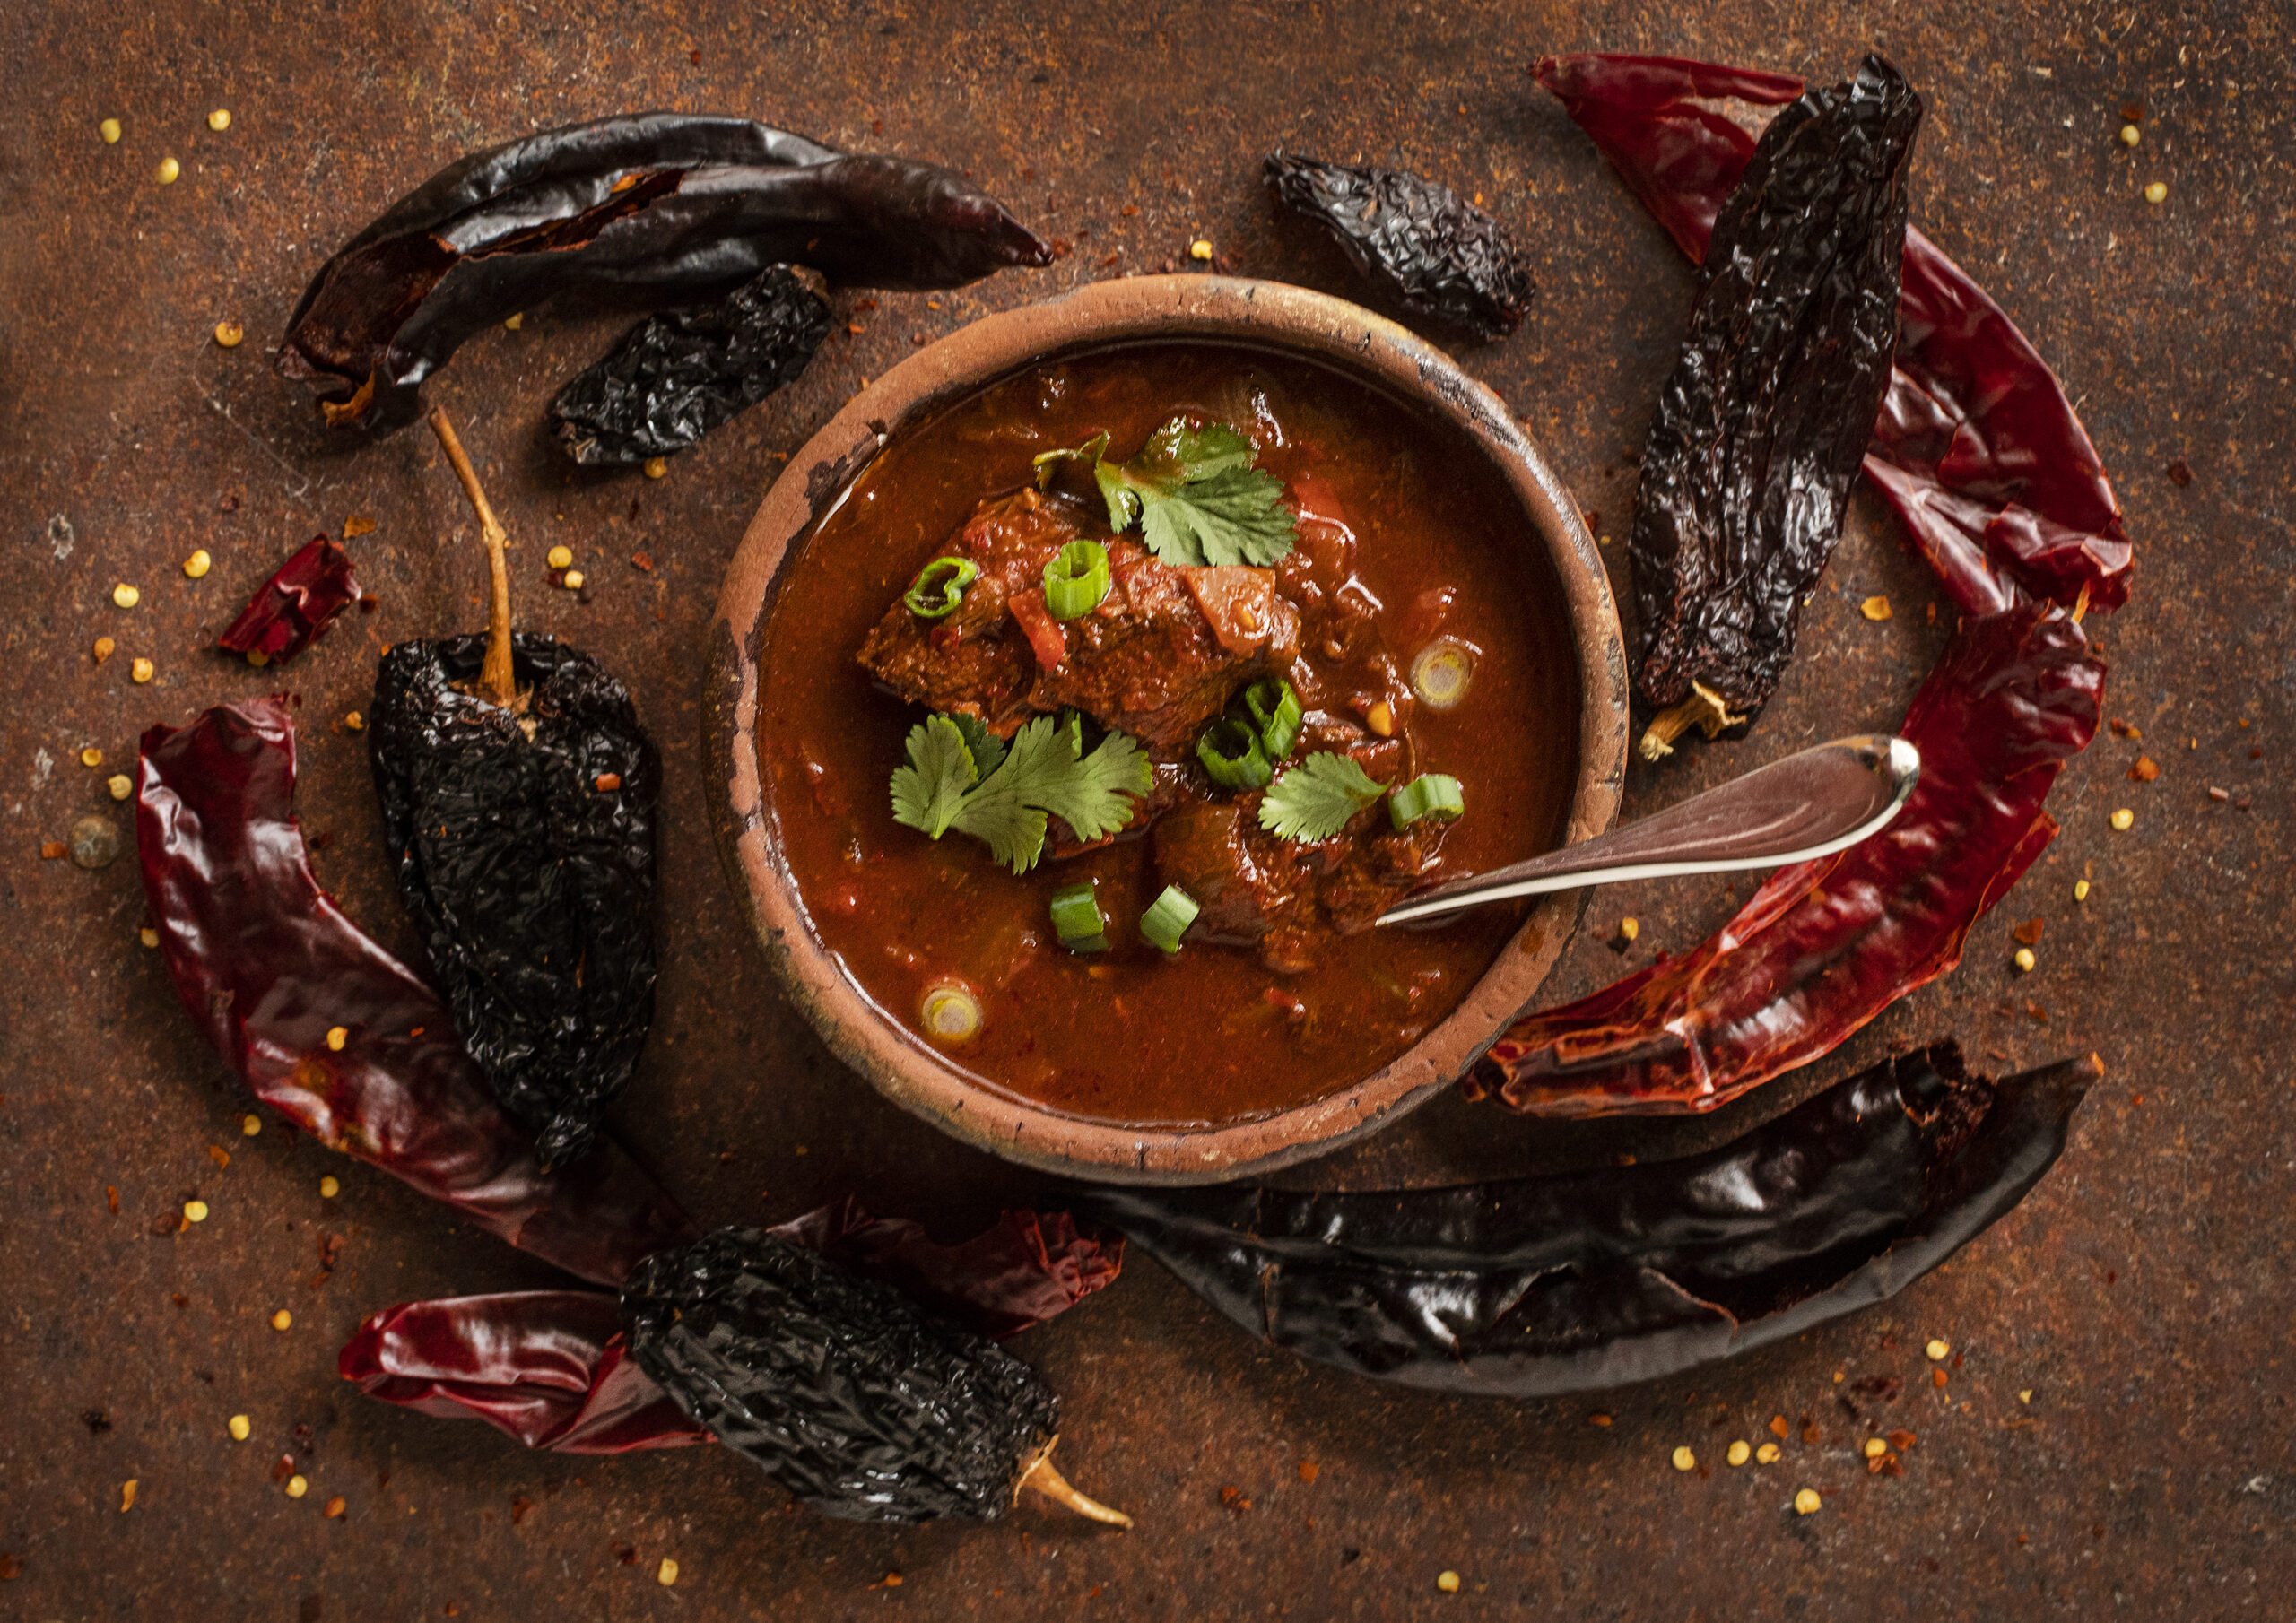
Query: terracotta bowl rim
(1266, 315)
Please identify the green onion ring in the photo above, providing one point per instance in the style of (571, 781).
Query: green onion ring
(950, 1012)
(1275, 711)
(1076, 916)
(1232, 752)
(1430, 794)
(940, 586)
(1442, 671)
(1076, 579)
(1167, 919)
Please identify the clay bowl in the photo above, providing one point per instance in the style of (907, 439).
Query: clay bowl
(1263, 314)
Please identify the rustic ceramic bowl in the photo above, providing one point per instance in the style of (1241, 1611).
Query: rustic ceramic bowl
(1264, 315)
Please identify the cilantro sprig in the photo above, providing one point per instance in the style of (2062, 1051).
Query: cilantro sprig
(961, 776)
(1314, 797)
(1193, 492)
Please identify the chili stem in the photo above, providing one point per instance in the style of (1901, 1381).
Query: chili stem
(1704, 709)
(1041, 1476)
(496, 675)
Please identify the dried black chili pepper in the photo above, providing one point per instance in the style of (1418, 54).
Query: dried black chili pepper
(330, 1030)
(519, 796)
(299, 601)
(646, 211)
(676, 376)
(1439, 253)
(859, 1402)
(1538, 1285)
(1763, 422)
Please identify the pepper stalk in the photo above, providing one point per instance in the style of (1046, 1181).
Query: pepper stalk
(496, 675)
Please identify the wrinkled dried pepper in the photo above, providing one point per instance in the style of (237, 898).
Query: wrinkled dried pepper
(648, 211)
(299, 601)
(1533, 1286)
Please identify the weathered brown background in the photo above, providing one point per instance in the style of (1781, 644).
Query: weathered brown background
(2142, 1295)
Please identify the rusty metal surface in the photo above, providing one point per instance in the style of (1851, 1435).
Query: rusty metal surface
(2142, 1296)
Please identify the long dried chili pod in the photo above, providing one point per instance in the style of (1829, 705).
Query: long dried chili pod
(645, 212)
(329, 1029)
(1977, 445)
(1533, 1286)
(1824, 946)
(552, 1368)
(1760, 426)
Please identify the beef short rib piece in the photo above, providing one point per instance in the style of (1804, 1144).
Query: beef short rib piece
(1163, 653)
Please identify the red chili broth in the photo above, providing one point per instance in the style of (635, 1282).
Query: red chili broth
(1129, 1035)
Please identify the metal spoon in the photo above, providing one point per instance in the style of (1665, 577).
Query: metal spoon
(1807, 805)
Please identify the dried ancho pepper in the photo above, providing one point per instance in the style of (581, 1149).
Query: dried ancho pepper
(298, 602)
(645, 212)
(519, 798)
(848, 1394)
(1537, 1286)
(268, 969)
(1441, 255)
(676, 376)
(1762, 426)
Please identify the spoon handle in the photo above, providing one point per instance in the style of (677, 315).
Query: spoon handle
(1807, 805)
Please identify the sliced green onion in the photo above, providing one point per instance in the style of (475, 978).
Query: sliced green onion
(1275, 712)
(1232, 752)
(1076, 916)
(1431, 794)
(950, 1012)
(1442, 671)
(1076, 579)
(1164, 923)
(940, 586)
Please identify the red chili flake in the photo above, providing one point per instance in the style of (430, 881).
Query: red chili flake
(1901, 1440)
(695, 57)
(2179, 474)
(1778, 1428)
(336, 1507)
(52, 849)
(229, 502)
(519, 1506)
(892, 1580)
(1310, 1470)
(2145, 770)
(2028, 932)
(112, 1198)
(1598, 1420)
(1809, 1430)
(220, 1156)
(2216, 794)
(1129, 209)
(181, 1300)
(608, 782)
(642, 561)
(864, 305)
(1936, 1378)
(1233, 1499)
(303, 1437)
(167, 1223)
(626, 1554)
(1062, 247)
(2132, 111)
(2124, 729)
(357, 526)
(856, 328)
(282, 1467)
(1111, 259)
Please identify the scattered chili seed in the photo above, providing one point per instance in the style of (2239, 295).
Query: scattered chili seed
(259, 659)
(560, 557)
(281, 1319)
(656, 466)
(608, 782)
(1381, 719)
(666, 1574)
(329, 1188)
(2123, 819)
(125, 596)
(198, 564)
(1874, 608)
(103, 648)
(219, 119)
(1201, 248)
(1937, 1349)
(1806, 1502)
(573, 580)
(2080, 890)
(2157, 192)
(336, 1036)
(1629, 928)
(1684, 1460)
(120, 784)
(1448, 1582)
(166, 173)
(354, 721)
(511, 323)
(148, 936)
(1767, 1454)
(1875, 1447)
(250, 1125)
(2130, 135)
(1740, 1452)
(228, 335)
(194, 1211)
(109, 130)
(2024, 960)
(140, 671)
(298, 1486)
(2026, 1396)
(92, 757)
(238, 1427)
(128, 1496)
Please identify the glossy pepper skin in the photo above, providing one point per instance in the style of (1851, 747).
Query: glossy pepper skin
(295, 605)
(1536, 1286)
(647, 210)
(676, 376)
(267, 966)
(1438, 253)
(524, 849)
(1762, 426)
(862, 1404)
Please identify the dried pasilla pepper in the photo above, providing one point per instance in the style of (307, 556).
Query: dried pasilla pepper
(675, 376)
(333, 1032)
(1824, 946)
(847, 1393)
(296, 604)
(1760, 427)
(553, 1369)
(1538, 1285)
(1439, 254)
(645, 212)
(519, 798)
(1977, 447)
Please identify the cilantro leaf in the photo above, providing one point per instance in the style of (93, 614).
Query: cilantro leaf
(987, 748)
(1193, 492)
(1037, 776)
(1314, 798)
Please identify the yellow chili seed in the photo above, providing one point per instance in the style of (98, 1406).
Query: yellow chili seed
(2080, 890)
(120, 784)
(1875, 1447)
(166, 173)
(1381, 719)
(2130, 135)
(219, 119)
(92, 757)
(229, 333)
(355, 722)
(336, 1036)
(1684, 1460)
(281, 1319)
(1629, 930)
(194, 1211)
(329, 1188)
(2024, 960)
(2123, 819)
(103, 648)
(109, 130)
(148, 936)
(140, 669)
(1740, 1452)
(1201, 248)
(238, 1427)
(1937, 1349)
(198, 564)
(125, 596)
(1767, 1454)
(259, 659)
(560, 557)
(1806, 1502)
(573, 580)
(666, 1574)
(2026, 1396)
(1874, 608)
(298, 1486)
(250, 1125)
(2156, 193)
(514, 322)
(1448, 1582)
(656, 466)
(128, 1495)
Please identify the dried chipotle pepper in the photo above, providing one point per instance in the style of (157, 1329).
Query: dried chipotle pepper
(1824, 946)
(1533, 1287)
(647, 211)
(676, 376)
(1976, 446)
(518, 796)
(299, 601)
(1439, 254)
(1761, 426)
(268, 968)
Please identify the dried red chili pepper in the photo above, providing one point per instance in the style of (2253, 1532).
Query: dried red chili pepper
(1825, 946)
(1976, 446)
(268, 968)
(296, 604)
(645, 212)
(1533, 1286)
